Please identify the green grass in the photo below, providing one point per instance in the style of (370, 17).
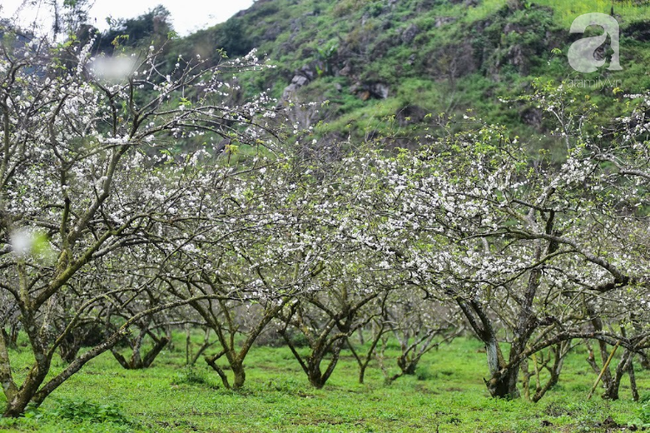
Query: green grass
(565, 12)
(446, 395)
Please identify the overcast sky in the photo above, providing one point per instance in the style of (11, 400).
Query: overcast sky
(187, 15)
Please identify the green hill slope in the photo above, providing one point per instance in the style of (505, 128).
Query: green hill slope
(389, 67)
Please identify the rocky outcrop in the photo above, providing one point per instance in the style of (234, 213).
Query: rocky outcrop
(367, 91)
(638, 30)
(409, 33)
(301, 77)
(441, 21)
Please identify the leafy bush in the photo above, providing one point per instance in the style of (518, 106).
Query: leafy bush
(644, 414)
(643, 419)
(289, 385)
(424, 374)
(190, 376)
(81, 410)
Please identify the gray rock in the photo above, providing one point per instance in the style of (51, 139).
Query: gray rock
(272, 33)
(410, 114)
(289, 91)
(411, 59)
(409, 34)
(299, 80)
(379, 90)
(517, 57)
(366, 91)
(345, 71)
(308, 71)
(441, 21)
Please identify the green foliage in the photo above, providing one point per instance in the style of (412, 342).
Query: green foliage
(152, 27)
(190, 376)
(470, 55)
(346, 7)
(82, 410)
(79, 412)
(644, 414)
(233, 38)
(325, 55)
(643, 419)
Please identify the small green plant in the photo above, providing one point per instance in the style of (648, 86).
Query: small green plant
(34, 412)
(81, 410)
(423, 374)
(645, 414)
(289, 385)
(326, 55)
(189, 376)
(643, 420)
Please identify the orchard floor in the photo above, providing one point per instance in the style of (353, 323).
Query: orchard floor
(446, 395)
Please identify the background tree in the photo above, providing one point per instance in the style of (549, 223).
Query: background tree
(153, 27)
(516, 244)
(419, 324)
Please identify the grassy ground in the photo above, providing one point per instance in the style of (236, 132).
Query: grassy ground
(446, 395)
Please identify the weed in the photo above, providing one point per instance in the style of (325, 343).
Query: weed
(81, 410)
(190, 376)
(643, 420)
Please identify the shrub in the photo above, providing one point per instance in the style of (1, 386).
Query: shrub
(81, 410)
(189, 376)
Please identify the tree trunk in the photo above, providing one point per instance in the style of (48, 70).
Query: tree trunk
(10, 338)
(408, 366)
(212, 362)
(236, 365)
(504, 383)
(363, 364)
(239, 375)
(312, 366)
(624, 366)
(559, 352)
(503, 380)
(136, 362)
(633, 387)
(362, 373)
(69, 351)
(16, 407)
(154, 352)
(315, 377)
(645, 361)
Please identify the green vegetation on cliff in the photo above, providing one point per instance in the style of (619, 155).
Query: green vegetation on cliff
(383, 66)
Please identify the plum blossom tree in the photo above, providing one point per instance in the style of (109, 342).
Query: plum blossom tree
(524, 246)
(338, 303)
(246, 251)
(355, 275)
(85, 174)
(622, 151)
(419, 324)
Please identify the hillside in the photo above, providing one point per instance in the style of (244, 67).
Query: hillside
(382, 67)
